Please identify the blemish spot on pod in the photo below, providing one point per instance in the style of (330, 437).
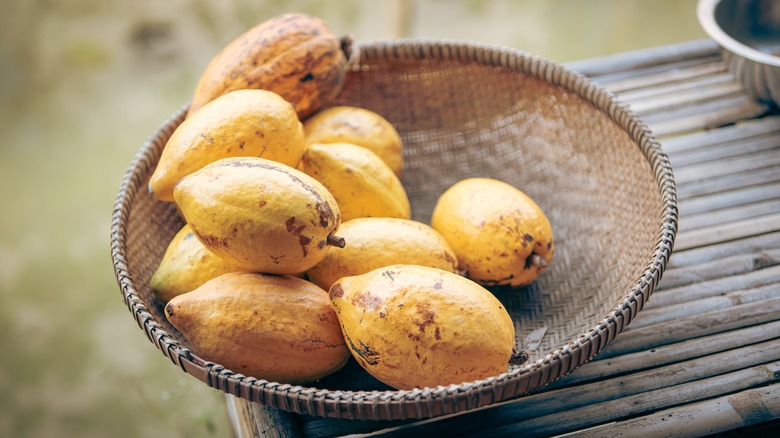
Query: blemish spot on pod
(377, 242)
(500, 235)
(185, 266)
(260, 215)
(294, 55)
(278, 328)
(414, 326)
(358, 126)
(363, 185)
(244, 123)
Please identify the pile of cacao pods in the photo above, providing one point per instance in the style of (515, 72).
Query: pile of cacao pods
(299, 250)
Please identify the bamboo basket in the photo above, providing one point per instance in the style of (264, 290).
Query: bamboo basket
(465, 110)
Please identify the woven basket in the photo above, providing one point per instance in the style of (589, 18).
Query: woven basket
(466, 110)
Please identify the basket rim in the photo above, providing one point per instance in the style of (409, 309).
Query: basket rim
(441, 400)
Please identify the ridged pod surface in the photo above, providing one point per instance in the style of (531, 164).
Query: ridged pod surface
(278, 328)
(294, 55)
(414, 326)
(359, 126)
(501, 236)
(363, 185)
(259, 215)
(378, 242)
(185, 266)
(243, 123)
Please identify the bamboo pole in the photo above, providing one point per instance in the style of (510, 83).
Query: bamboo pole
(605, 367)
(637, 60)
(718, 251)
(605, 412)
(660, 315)
(719, 321)
(737, 264)
(746, 411)
(736, 133)
(716, 287)
(252, 420)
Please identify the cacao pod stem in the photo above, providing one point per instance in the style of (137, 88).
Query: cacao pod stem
(336, 241)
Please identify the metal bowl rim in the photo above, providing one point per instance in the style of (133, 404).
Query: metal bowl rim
(706, 16)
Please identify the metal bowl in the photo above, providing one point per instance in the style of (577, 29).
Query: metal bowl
(749, 33)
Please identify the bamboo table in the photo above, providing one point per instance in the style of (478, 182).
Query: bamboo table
(703, 356)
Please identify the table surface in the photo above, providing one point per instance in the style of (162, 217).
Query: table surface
(703, 356)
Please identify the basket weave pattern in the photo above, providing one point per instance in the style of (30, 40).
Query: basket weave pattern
(467, 110)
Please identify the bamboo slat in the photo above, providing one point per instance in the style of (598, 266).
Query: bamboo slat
(714, 185)
(705, 324)
(646, 83)
(731, 165)
(742, 413)
(727, 150)
(636, 62)
(703, 220)
(631, 80)
(607, 367)
(737, 132)
(702, 109)
(715, 287)
(243, 416)
(659, 315)
(729, 265)
(707, 115)
(684, 97)
(730, 198)
(711, 253)
(731, 231)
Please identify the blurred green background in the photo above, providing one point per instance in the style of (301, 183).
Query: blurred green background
(84, 83)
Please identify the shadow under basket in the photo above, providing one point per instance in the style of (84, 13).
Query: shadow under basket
(466, 110)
